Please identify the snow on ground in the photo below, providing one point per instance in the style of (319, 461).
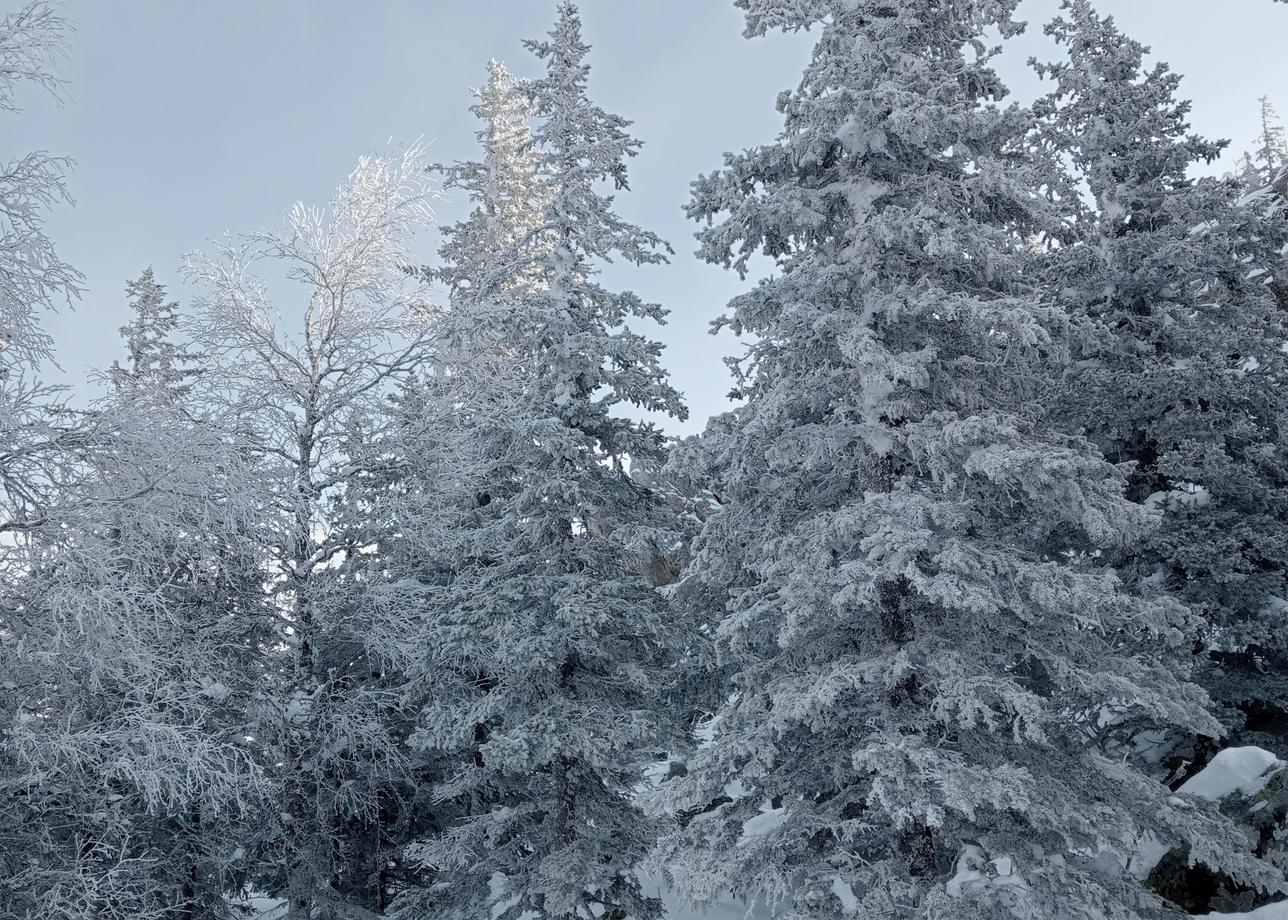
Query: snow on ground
(674, 907)
(258, 907)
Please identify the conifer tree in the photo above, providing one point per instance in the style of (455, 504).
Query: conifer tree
(156, 361)
(1179, 368)
(1263, 175)
(139, 613)
(935, 683)
(547, 651)
(506, 189)
(1271, 158)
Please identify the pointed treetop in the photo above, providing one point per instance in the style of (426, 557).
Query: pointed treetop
(587, 143)
(566, 49)
(764, 16)
(506, 189)
(1272, 156)
(1146, 147)
(156, 362)
(580, 145)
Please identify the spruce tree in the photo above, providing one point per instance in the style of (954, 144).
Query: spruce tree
(936, 684)
(546, 649)
(1271, 157)
(156, 361)
(478, 255)
(1179, 368)
(1264, 180)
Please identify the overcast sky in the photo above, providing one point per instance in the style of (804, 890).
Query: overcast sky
(189, 119)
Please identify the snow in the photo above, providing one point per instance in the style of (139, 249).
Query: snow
(845, 894)
(656, 772)
(257, 906)
(297, 708)
(764, 824)
(1248, 365)
(1275, 605)
(723, 908)
(1182, 495)
(214, 690)
(1276, 911)
(1242, 769)
(1149, 853)
(861, 194)
(705, 732)
(498, 887)
(976, 873)
(859, 140)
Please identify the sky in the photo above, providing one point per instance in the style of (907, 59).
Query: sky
(188, 120)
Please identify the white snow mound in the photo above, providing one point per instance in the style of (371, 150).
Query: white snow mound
(1276, 911)
(1241, 769)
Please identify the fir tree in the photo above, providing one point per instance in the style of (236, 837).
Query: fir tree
(1264, 178)
(506, 189)
(546, 649)
(935, 683)
(1271, 158)
(156, 362)
(1179, 368)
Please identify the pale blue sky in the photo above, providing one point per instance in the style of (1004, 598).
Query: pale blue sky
(189, 119)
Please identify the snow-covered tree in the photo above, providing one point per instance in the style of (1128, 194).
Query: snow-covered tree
(1180, 368)
(1264, 179)
(1271, 157)
(36, 440)
(156, 363)
(936, 684)
(32, 277)
(302, 387)
(546, 650)
(128, 624)
(507, 192)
